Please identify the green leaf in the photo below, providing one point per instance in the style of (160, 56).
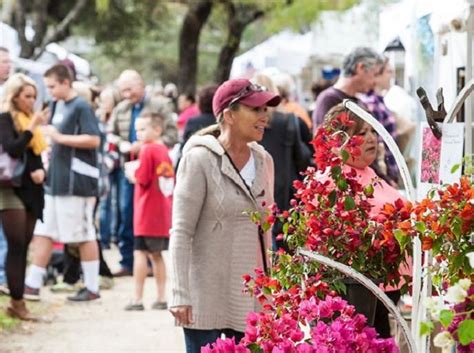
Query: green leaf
(420, 226)
(254, 348)
(443, 219)
(401, 237)
(456, 227)
(431, 194)
(446, 317)
(466, 332)
(342, 184)
(455, 167)
(345, 155)
(266, 226)
(369, 190)
(336, 171)
(332, 198)
(426, 328)
(285, 228)
(349, 203)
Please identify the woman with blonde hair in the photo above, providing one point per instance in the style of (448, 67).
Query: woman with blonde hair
(21, 206)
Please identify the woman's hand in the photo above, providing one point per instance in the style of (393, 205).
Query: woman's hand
(183, 315)
(39, 118)
(38, 176)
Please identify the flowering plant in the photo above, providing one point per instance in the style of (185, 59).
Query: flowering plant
(444, 222)
(301, 315)
(331, 212)
(455, 312)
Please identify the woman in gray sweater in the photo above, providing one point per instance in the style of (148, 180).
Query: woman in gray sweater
(213, 243)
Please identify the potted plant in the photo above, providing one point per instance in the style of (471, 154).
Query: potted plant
(331, 215)
(444, 222)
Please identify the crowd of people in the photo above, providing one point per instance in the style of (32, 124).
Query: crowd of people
(155, 170)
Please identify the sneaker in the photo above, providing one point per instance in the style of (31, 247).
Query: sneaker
(106, 283)
(63, 287)
(84, 295)
(31, 294)
(160, 305)
(134, 307)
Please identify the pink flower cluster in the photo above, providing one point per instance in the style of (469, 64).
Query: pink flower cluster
(430, 158)
(332, 325)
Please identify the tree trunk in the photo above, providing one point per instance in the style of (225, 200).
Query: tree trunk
(240, 16)
(193, 22)
(20, 25)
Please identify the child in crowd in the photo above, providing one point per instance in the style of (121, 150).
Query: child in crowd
(154, 181)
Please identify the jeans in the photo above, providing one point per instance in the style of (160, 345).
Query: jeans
(109, 217)
(3, 255)
(195, 339)
(125, 232)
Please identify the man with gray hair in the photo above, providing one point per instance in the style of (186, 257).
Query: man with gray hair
(122, 126)
(359, 70)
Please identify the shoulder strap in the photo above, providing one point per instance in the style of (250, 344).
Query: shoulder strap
(260, 229)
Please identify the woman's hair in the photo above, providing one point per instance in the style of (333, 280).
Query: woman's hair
(234, 107)
(13, 88)
(331, 120)
(269, 84)
(265, 81)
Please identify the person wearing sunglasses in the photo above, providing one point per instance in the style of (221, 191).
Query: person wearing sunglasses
(222, 176)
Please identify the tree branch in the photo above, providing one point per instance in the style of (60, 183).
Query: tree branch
(240, 16)
(60, 32)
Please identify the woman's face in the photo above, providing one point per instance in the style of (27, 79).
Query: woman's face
(368, 148)
(25, 101)
(250, 122)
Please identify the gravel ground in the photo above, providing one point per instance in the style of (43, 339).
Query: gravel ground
(99, 326)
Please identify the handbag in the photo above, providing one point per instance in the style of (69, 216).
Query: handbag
(11, 169)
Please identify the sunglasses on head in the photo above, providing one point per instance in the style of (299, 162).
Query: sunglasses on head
(253, 87)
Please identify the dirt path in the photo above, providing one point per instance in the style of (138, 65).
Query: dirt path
(98, 327)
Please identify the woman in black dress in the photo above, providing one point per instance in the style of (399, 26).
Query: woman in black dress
(20, 207)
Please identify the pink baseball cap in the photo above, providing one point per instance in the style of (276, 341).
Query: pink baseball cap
(243, 91)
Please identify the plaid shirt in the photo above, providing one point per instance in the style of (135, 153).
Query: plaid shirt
(376, 106)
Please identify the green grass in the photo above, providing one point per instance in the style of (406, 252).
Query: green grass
(6, 322)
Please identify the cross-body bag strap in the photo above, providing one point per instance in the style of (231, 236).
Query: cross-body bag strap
(260, 229)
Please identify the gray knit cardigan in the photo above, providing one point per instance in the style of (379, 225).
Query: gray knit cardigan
(212, 242)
